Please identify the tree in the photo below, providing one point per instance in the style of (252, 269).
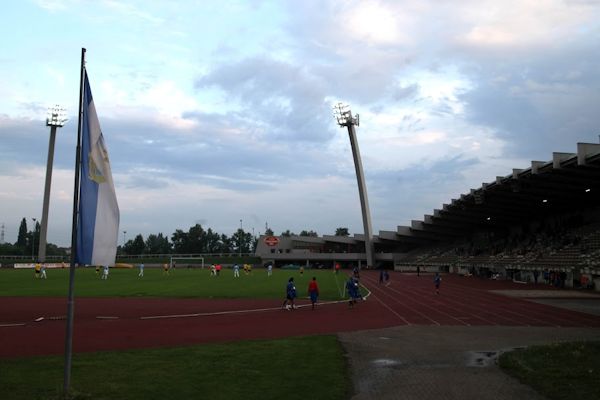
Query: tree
(33, 239)
(22, 238)
(157, 244)
(239, 239)
(288, 233)
(342, 232)
(180, 241)
(213, 242)
(269, 232)
(197, 239)
(7, 249)
(248, 243)
(54, 250)
(135, 246)
(309, 233)
(226, 244)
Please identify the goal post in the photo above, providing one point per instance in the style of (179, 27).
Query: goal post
(188, 262)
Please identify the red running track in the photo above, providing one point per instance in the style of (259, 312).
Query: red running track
(406, 300)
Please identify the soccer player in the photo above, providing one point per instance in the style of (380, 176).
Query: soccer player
(290, 295)
(437, 279)
(165, 269)
(38, 268)
(43, 272)
(353, 291)
(269, 270)
(236, 271)
(104, 272)
(141, 274)
(313, 291)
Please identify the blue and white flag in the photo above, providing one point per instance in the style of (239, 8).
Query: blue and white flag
(98, 222)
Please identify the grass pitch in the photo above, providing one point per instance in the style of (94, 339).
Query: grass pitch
(298, 368)
(178, 283)
(561, 371)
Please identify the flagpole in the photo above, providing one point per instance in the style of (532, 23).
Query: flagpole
(71, 301)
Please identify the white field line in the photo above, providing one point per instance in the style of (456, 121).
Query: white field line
(9, 325)
(205, 314)
(208, 314)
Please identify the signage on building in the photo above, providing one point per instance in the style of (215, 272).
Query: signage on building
(271, 241)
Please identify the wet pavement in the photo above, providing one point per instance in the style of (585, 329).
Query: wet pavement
(444, 362)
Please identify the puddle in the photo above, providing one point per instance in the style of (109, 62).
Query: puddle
(481, 358)
(385, 362)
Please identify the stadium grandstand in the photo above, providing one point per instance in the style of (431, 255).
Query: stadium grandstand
(539, 224)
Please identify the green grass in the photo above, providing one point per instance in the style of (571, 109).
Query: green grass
(565, 371)
(298, 368)
(180, 283)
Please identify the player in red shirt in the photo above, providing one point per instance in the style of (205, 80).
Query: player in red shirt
(313, 291)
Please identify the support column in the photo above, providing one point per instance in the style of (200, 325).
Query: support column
(46, 205)
(364, 200)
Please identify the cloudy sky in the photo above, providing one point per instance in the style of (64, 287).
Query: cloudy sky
(220, 111)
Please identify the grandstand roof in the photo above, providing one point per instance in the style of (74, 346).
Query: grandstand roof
(567, 182)
(570, 181)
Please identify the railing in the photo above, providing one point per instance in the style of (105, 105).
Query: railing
(29, 258)
(133, 256)
(191, 255)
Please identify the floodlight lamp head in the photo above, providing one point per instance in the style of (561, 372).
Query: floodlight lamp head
(56, 116)
(343, 115)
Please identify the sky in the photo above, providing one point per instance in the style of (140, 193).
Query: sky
(219, 112)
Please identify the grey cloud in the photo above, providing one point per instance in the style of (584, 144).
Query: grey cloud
(396, 197)
(558, 85)
(287, 99)
(35, 107)
(442, 108)
(147, 180)
(400, 93)
(26, 141)
(410, 123)
(210, 153)
(543, 103)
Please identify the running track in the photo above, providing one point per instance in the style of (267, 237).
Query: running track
(127, 323)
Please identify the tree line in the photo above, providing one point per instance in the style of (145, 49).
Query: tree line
(28, 242)
(196, 240)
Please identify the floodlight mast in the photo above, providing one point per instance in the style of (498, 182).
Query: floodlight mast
(344, 117)
(56, 118)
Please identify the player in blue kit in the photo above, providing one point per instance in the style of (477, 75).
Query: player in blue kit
(290, 295)
(353, 291)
